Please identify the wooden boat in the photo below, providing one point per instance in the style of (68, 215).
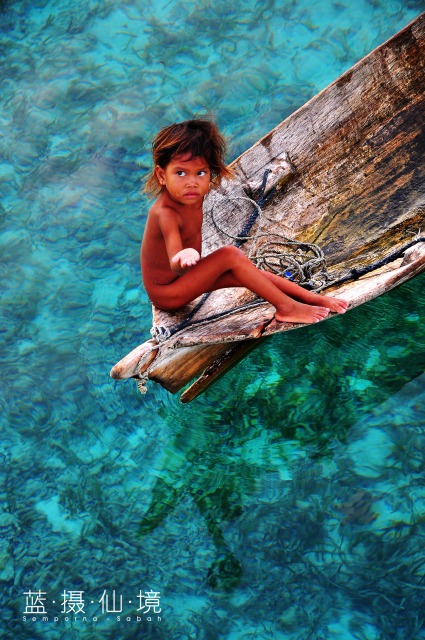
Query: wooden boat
(346, 178)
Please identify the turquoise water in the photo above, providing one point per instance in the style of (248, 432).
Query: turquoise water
(287, 502)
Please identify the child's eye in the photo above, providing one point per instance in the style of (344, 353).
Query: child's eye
(180, 172)
(202, 173)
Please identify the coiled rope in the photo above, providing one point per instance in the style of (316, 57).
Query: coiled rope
(302, 262)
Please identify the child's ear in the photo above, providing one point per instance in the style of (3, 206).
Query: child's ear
(160, 175)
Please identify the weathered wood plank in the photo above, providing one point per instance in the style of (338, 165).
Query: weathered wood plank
(178, 366)
(219, 367)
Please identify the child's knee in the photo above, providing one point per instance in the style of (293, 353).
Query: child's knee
(231, 253)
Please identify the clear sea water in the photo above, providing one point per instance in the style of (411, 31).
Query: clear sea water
(288, 502)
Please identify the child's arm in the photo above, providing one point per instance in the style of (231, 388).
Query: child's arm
(180, 259)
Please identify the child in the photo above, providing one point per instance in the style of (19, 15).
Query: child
(189, 160)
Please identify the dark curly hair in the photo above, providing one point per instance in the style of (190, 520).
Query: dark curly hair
(199, 139)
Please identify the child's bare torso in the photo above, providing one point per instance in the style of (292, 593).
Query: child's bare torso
(154, 258)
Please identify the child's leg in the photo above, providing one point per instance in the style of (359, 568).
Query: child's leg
(229, 267)
(308, 297)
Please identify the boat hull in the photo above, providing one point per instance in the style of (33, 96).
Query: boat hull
(357, 191)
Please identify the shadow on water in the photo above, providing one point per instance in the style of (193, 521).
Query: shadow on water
(315, 507)
(313, 384)
(274, 450)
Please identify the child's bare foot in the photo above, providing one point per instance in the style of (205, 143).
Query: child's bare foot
(301, 313)
(334, 304)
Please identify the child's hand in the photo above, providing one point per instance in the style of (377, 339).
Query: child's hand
(185, 258)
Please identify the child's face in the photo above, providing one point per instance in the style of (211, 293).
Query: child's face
(186, 179)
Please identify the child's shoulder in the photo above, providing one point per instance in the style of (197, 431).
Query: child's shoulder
(162, 210)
